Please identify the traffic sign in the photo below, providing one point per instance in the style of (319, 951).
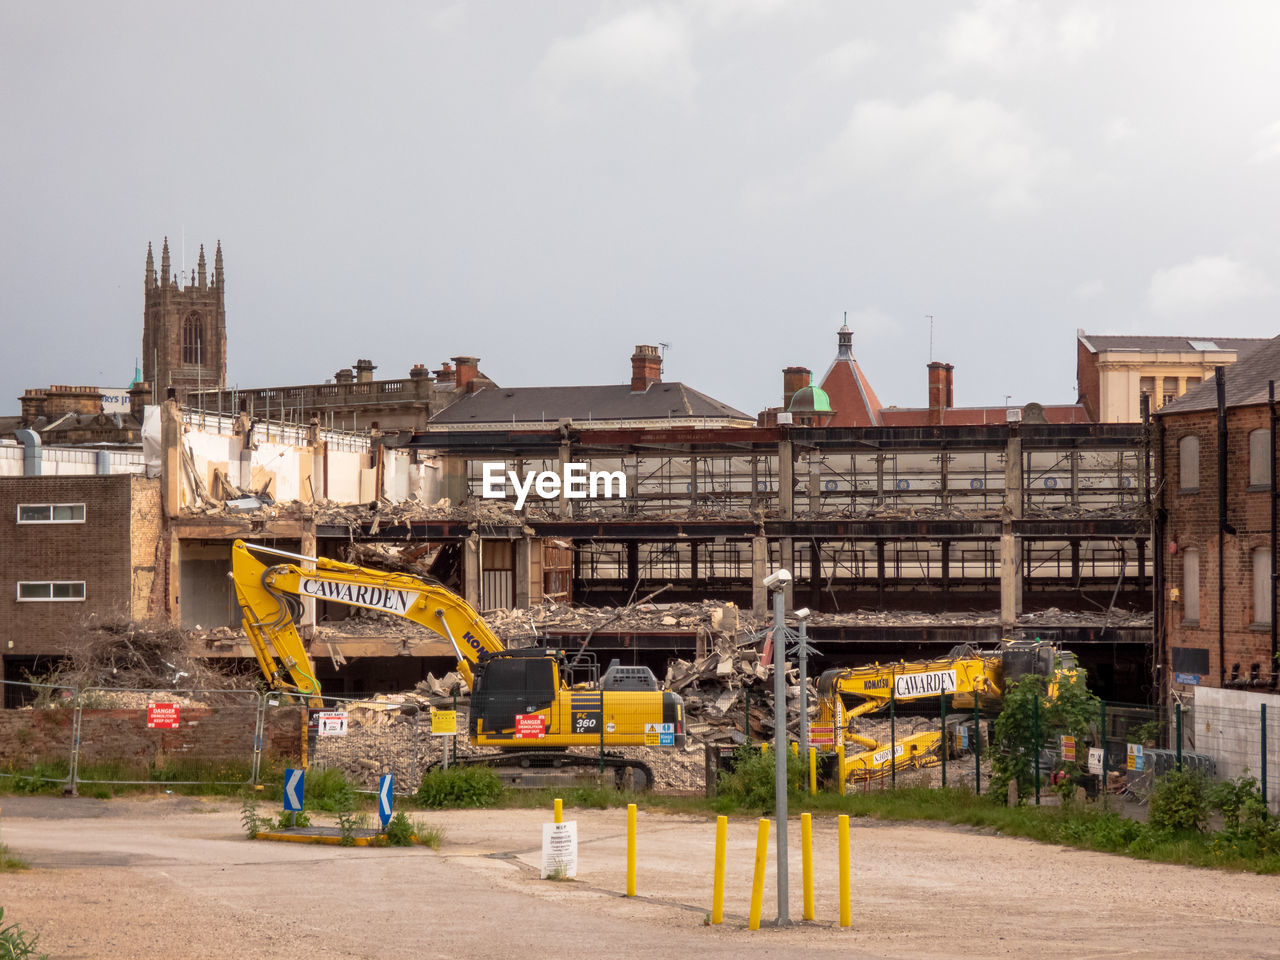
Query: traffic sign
(384, 800)
(294, 782)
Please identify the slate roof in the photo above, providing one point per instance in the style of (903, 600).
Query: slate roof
(583, 404)
(1246, 382)
(1243, 346)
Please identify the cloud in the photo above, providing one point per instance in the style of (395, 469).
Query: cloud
(1203, 285)
(843, 61)
(1269, 140)
(644, 50)
(1008, 34)
(941, 144)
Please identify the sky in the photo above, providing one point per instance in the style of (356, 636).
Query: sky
(547, 185)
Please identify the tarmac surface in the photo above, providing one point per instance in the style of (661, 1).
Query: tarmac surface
(171, 878)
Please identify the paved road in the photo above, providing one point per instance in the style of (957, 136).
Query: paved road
(174, 878)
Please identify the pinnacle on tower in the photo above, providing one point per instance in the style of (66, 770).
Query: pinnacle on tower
(217, 264)
(200, 267)
(164, 263)
(149, 280)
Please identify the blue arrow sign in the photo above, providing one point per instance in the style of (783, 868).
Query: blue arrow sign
(384, 800)
(293, 787)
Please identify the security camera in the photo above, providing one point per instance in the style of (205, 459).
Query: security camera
(777, 580)
(802, 613)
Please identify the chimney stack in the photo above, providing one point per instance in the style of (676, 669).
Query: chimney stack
(419, 372)
(468, 370)
(364, 371)
(646, 368)
(940, 390)
(344, 376)
(445, 373)
(793, 379)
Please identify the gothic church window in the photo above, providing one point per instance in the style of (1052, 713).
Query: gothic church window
(192, 338)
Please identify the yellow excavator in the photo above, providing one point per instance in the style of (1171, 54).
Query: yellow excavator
(965, 674)
(523, 702)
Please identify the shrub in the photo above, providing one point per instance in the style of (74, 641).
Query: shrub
(751, 781)
(15, 943)
(328, 789)
(463, 786)
(1179, 801)
(399, 831)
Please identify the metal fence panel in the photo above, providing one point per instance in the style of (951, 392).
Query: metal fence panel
(180, 736)
(37, 732)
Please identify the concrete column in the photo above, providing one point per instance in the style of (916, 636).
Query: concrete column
(453, 479)
(524, 571)
(815, 482)
(171, 458)
(563, 506)
(173, 601)
(308, 548)
(1010, 554)
(759, 570)
(786, 480)
(471, 557)
(693, 481)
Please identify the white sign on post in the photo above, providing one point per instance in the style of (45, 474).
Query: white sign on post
(332, 724)
(1095, 759)
(560, 849)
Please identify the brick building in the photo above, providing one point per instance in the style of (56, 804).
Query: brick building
(1216, 530)
(77, 548)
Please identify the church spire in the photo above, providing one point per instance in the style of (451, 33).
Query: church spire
(149, 280)
(164, 263)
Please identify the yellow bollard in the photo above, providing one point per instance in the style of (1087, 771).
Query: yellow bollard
(846, 901)
(631, 849)
(795, 747)
(806, 846)
(559, 811)
(757, 881)
(813, 771)
(840, 771)
(717, 887)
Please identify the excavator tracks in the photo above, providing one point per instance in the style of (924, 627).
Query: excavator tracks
(629, 774)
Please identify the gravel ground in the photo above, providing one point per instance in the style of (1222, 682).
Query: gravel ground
(175, 878)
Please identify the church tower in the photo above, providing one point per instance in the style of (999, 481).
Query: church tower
(184, 328)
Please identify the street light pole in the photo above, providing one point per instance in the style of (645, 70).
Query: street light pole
(777, 582)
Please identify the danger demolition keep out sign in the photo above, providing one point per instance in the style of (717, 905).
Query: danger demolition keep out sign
(162, 716)
(531, 726)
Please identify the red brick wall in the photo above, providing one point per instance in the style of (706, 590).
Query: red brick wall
(96, 551)
(1088, 381)
(1193, 524)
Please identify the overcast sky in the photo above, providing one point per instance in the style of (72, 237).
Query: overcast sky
(546, 185)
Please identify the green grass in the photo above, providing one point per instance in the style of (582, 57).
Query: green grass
(11, 861)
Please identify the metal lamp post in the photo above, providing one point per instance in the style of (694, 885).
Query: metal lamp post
(777, 582)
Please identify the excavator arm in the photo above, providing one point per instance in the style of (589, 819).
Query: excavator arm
(269, 595)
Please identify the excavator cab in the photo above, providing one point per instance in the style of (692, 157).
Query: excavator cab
(511, 683)
(1019, 658)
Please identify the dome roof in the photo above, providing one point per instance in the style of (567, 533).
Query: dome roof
(810, 399)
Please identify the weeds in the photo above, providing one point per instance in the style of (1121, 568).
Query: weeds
(249, 816)
(16, 943)
(10, 861)
(460, 787)
(399, 831)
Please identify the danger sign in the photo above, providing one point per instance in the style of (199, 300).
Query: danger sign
(530, 726)
(331, 723)
(162, 716)
(822, 734)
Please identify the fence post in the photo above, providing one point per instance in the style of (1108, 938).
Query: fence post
(1177, 716)
(893, 737)
(977, 749)
(945, 745)
(746, 715)
(1102, 737)
(1264, 752)
(1035, 739)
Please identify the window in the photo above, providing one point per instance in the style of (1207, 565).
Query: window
(1191, 585)
(192, 338)
(1189, 464)
(1259, 458)
(51, 513)
(1262, 585)
(50, 590)
(1170, 391)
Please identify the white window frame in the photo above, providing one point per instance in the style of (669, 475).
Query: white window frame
(51, 598)
(1259, 458)
(1189, 464)
(1262, 585)
(52, 507)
